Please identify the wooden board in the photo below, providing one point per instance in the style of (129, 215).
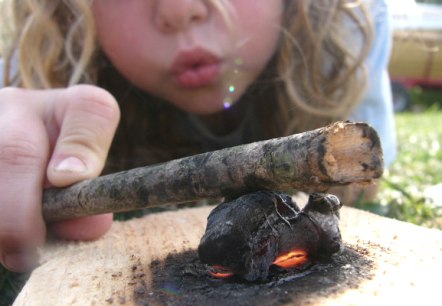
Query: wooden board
(150, 261)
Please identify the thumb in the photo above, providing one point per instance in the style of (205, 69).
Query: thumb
(87, 118)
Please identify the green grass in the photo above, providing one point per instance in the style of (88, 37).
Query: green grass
(428, 99)
(418, 166)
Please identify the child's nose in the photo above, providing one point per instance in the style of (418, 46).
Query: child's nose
(177, 15)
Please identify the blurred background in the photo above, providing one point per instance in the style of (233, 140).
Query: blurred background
(411, 190)
(416, 59)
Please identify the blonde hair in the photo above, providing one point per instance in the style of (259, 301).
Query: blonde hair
(319, 76)
(54, 42)
(321, 61)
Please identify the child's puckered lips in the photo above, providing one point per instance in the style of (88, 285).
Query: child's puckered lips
(196, 68)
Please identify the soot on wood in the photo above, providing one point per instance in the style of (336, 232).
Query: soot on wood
(249, 235)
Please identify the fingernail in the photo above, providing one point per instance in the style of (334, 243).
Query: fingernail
(71, 164)
(20, 262)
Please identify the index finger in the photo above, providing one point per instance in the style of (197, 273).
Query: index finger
(24, 149)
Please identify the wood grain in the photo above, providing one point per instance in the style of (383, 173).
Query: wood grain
(391, 263)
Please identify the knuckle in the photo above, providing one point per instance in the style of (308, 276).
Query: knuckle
(84, 137)
(8, 92)
(20, 146)
(9, 97)
(92, 119)
(94, 101)
(19, 152)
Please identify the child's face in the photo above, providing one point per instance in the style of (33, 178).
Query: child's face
(184, 51)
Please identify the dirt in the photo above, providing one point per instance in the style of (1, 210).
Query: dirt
(181, 279)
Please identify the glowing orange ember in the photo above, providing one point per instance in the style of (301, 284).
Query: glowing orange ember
(220, 272)
(289, 260)
(292, 259)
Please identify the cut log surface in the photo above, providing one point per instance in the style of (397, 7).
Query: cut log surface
(338, 154)
(152, 261)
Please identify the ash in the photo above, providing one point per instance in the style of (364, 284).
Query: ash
(181, 279)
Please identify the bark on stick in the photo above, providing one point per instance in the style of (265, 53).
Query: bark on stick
(338, 154)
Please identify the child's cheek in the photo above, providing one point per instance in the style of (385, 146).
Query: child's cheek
(259, 25)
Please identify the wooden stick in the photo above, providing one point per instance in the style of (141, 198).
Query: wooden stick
(338, 154)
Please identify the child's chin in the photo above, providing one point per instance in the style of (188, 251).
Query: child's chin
(202, 107)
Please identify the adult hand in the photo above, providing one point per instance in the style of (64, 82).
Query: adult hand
(49, 138)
